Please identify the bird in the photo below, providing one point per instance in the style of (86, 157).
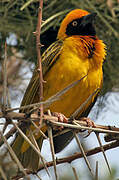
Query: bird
(77, 52)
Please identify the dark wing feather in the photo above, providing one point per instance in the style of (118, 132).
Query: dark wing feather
(49, 57)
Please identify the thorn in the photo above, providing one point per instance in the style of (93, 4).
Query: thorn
(96, 171)
(44, 81)
(83, 153)
(38, 130)
(38, 70)
(99, 140)
(40, 45)
(49, 112)
(52, 147)
(75, 173)
(8, 121)
(35, 33)
(40, 8)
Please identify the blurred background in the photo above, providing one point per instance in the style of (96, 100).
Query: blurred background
(17, 24)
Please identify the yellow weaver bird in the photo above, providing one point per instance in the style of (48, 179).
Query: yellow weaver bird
(76, 53)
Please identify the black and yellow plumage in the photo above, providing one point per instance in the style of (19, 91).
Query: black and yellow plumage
(77, 52)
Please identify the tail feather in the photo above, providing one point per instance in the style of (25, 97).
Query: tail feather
(29, 158)
(17, 144)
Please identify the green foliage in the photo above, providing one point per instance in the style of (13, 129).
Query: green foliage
(23, 24)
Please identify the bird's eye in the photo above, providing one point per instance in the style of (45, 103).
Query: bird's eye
(74, 23)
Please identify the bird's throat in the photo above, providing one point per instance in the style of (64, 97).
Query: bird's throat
(88, 43)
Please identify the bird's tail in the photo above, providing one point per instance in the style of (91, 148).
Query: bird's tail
(25, 153)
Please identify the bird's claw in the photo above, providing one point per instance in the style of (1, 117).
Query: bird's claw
(61, 118)
(90, 123)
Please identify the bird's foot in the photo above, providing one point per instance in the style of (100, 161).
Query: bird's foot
(89, 122)
(61, 118)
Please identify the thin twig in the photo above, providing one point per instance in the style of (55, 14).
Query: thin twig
(2, 173)
(31, 144)
(53, 120)
(37, 130)
(90, 152)
(38, 46)
(79, 127)
(5, 80)
(116, 34)
(53, 17)
(52, 148)
(5, 88)
(79, 124)
(49, 101)
(38, 177)
(36, 144)
(96, 171)
(5, 126)
(13, 155)
(83, 153)
(111, 137)
(9, 99)
(9, 134)
(99, 140)
(82, 105)
(75, 173)
(75, 156)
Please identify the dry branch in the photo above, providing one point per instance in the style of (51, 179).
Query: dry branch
(75, 156)
(54, 121)
(32, 145)
(96, 171)
(13, 155)
(99, 140)
(80, 125)
(38, 46)
(5, 80)
(2, 173)
(75, 173)
(83, 152)
(49, 101)
(52, 150)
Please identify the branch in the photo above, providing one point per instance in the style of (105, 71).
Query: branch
(73, 157)
(54, 121)
(5, 80)
(83, 153)
(81, 125)
(38, 46)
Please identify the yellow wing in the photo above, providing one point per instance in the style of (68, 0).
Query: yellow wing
(49, 57)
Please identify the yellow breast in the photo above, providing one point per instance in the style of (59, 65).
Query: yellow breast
(72, 65)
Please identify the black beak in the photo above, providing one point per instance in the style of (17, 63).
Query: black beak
(88, 19)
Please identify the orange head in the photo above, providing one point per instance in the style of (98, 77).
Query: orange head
(77, 22)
